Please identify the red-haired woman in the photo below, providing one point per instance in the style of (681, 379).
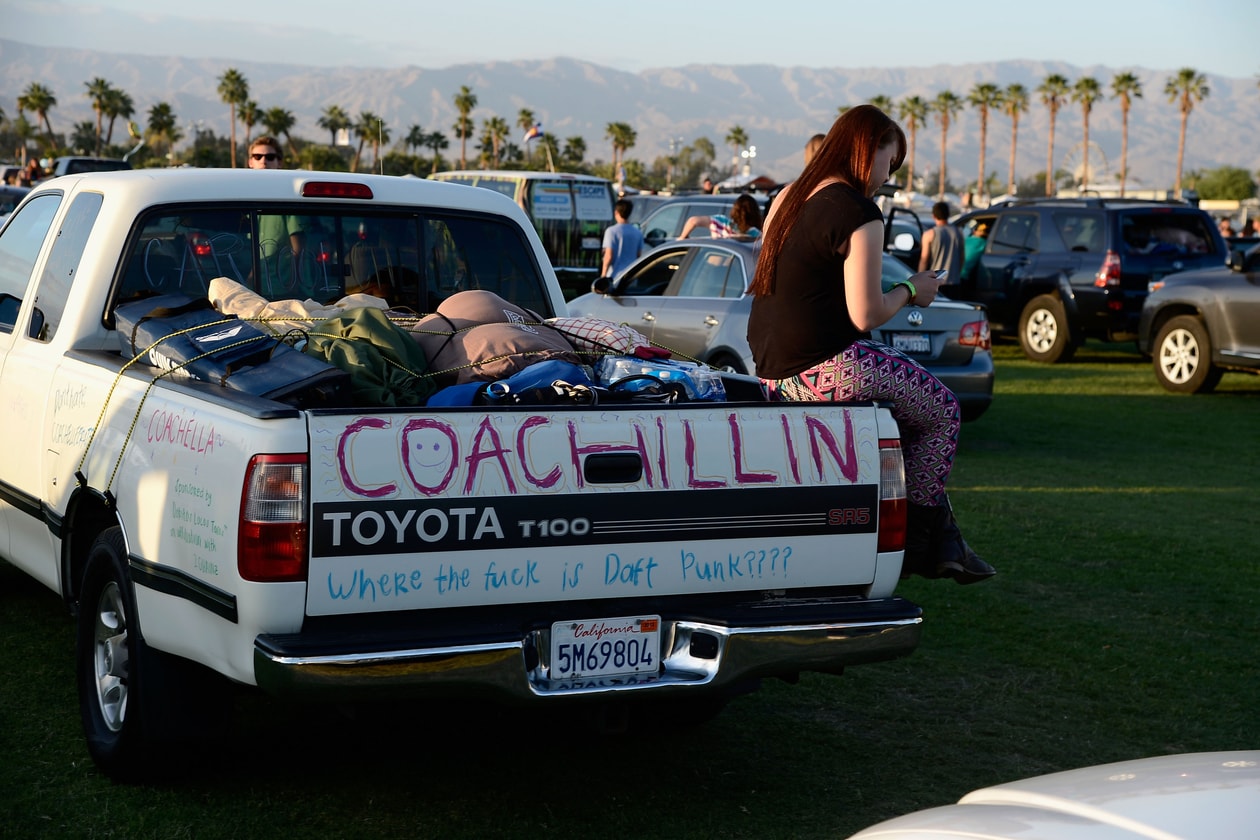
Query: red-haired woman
(818, 294)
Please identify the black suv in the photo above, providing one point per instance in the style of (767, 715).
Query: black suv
(1056, 271)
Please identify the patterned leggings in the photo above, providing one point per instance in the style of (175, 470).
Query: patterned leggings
(925, 410)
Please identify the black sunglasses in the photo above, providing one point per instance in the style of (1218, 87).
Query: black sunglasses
(266, 156)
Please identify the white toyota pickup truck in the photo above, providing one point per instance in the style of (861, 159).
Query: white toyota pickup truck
(536, 553)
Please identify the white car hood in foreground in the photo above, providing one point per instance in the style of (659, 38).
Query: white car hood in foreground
(1195, 796)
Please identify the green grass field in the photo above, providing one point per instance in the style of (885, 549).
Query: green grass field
(1123, 623)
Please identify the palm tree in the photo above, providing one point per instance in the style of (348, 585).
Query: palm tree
(738, 139)
(279, 122)
(883, 102)
(41, 100)
(414, 139)
(117, 104)
(497, 130)
(1086, 92)
(1126, 87)
(249, 116)
(437, 142)
(233, 91)
(163, 126)
(1054, 90)
(369, 128)
(982, 97)
(525, 120)
(913, 111)
(946, 106)
(623, 137)
(574, 150)
(1186, 88)
(1014, 103)
(465, 101)
(333, 120)
(97, 90)
(83, 137)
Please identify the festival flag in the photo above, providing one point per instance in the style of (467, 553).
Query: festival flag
(533, 133)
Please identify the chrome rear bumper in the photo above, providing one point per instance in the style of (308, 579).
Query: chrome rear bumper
(698, 655)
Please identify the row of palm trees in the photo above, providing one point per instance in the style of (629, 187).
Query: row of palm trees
(1186, 88)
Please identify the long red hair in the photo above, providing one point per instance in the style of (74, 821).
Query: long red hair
(847, 153)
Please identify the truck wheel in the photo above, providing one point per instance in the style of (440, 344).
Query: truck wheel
(107, 660)
(1043, 331)
(134, 701)
(1183, 357)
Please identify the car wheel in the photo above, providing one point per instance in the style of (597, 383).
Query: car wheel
(133, 700)
(1043, 331)
(1183, 357)
(726, 362)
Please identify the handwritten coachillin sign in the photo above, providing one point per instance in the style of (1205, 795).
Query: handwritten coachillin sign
(401, 456)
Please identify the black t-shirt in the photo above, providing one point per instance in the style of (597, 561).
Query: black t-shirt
(807, 320)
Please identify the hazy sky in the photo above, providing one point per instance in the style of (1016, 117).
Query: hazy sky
(1212, 36)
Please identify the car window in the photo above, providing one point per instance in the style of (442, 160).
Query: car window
(1166, 234)
(62, 264)
(1078, 231)
(665, 223)
(712, 273)
(1017, 233)
(653, 276)
(413, 260)
(20, 243)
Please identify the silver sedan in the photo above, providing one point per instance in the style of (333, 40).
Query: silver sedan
(688, 296)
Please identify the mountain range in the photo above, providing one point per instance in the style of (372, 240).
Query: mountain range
(778, 108)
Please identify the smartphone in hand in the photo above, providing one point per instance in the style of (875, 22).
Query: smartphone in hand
(942, 274)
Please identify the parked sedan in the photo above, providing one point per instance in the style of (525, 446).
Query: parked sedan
(688, 296)
(1198, 324)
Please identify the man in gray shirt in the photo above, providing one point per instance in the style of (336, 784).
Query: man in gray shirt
(942, 245)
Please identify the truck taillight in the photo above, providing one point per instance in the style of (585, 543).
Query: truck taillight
(976, 334)
(272, 545)
(1109, 273)
(892, 497)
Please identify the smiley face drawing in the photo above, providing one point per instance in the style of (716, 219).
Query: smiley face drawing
(430, 453)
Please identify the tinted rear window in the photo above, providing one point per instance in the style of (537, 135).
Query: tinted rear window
(1166, 233)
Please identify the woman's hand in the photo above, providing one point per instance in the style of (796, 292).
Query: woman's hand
(926, 284)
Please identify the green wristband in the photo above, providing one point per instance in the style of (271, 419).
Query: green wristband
(909, 287)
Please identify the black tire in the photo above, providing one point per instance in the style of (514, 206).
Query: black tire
(1044, 333)
(1182, 357)
(726, 362)
(134, 701)
(106, 660)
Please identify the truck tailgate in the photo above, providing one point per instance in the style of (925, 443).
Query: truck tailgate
(467, 507)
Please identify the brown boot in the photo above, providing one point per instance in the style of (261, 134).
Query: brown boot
(955, 559)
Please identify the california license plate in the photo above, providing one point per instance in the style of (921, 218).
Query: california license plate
(590, 243)
(912, 342)
(602, 647)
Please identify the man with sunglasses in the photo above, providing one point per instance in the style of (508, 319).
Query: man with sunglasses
(285, 271)
(264, 153)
